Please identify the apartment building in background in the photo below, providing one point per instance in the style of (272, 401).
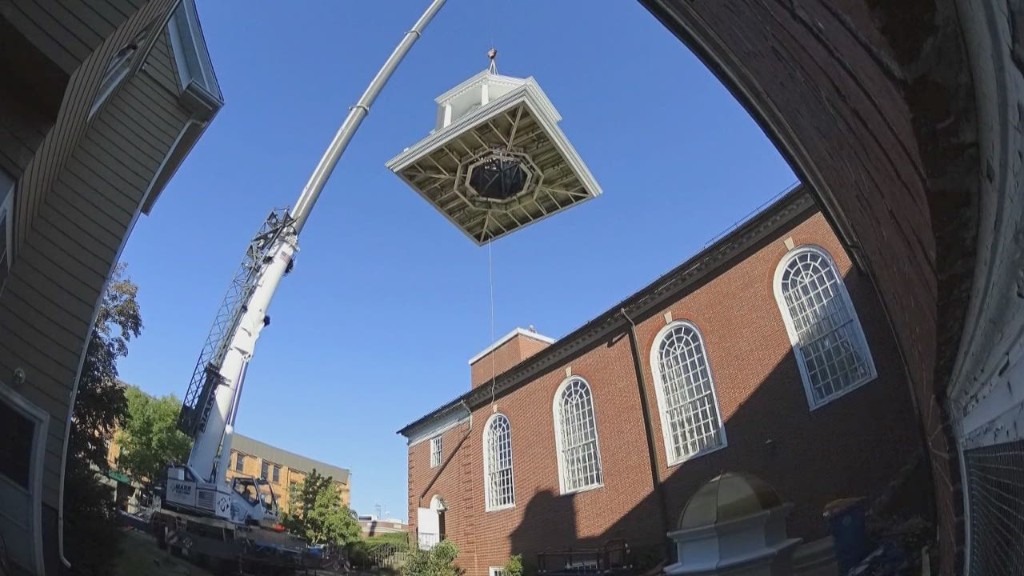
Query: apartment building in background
(282, 468)
(100, 103)
(765, 354)
(370, 526)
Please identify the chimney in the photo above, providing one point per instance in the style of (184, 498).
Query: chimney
(511, 349)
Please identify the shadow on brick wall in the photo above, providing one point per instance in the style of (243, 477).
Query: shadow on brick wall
(549, 518)
(861, 444)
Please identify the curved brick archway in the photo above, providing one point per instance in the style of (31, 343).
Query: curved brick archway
(905, 118)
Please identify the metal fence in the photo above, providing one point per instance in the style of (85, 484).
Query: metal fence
(381, 553)
(988, 415)
(996, 497)
(614, 556)
(427, 540)
(388, 556)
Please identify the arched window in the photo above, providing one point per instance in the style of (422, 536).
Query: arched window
(499, 487)
(823, 327)
(690, 420)
(579, 458)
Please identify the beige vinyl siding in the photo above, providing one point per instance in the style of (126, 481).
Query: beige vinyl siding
(168, 77)
(90, 20)
(41, 29)
(127, 6)
(78, 199)
(68, 31)
(75, 34)
(55, 151)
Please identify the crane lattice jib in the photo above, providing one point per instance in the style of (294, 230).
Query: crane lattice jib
(195, 408)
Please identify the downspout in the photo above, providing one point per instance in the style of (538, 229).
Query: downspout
(652, 453)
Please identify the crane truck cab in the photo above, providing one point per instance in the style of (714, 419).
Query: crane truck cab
(258, 496)
(246, 500)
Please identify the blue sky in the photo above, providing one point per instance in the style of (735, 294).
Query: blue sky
(387, 301)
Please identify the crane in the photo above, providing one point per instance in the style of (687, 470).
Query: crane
(196, 489)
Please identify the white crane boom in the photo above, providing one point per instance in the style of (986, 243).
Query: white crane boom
(211, 402)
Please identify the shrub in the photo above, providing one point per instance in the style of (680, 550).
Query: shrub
(514, 566)
(438, 561)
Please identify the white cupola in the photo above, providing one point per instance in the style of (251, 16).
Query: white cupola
(496, 160)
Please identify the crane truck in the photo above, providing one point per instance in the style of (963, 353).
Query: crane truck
(199, 513)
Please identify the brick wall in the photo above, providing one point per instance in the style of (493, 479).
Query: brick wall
(508, 354)
(814, 457)
(873, 105)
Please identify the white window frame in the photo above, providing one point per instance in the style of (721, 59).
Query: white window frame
(496, 571)
(239, 463)
(117, 70)
(794, 338)
(659, 389)
(489, 496)
(191, 57)
(41, 419)
(556, 416)
(436, 451)
(8, 185)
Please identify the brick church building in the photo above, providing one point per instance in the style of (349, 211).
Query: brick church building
(767, 353)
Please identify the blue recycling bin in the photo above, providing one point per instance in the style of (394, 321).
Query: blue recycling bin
(846, 522)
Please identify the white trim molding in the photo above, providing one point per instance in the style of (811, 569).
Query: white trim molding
(585, 422)
(439, 424)
(828, 302)
(196, 77)
(497, 450)
(41, 420)
(695, 352)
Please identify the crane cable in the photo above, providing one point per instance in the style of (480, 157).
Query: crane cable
(490, 281)
(492, 67)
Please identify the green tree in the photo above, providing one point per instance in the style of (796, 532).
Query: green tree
(100, 408)
(317, 514)
(150, 438)
(438, 561)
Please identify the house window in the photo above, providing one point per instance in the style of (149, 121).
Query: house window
(265, 470)
(23, 430)
(277, 474)
(18, 433)
(690, 419)
(579, 458)
(823, 327)
(435, 452)
(498, 479)
(496, 571)
(6, 224)
(117, 70)
(239, 462)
